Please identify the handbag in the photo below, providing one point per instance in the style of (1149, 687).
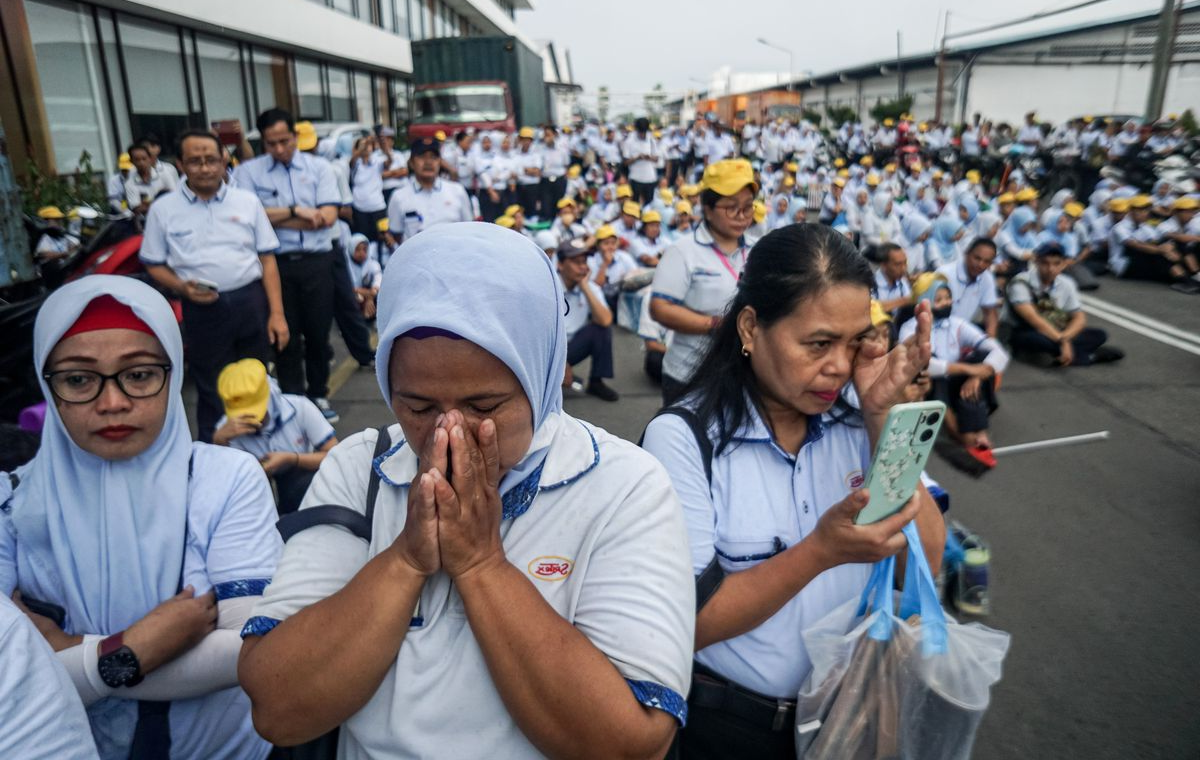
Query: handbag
(911, 684)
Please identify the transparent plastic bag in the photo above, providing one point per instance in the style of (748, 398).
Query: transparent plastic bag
(912, 685)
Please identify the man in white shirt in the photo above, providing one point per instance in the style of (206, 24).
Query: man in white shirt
(555, 160)
(144, 184)
(214, 247)
(425, 199)
(529, 174)
(640, 152)
(1031, 134)
(367, 165)
(973, 285)
(588, 319)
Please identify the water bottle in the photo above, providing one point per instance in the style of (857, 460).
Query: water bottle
(972, 595)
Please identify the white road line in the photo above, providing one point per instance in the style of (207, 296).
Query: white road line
(1149, 322)
(1141, 329)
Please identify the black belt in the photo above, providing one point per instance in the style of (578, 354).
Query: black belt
(713, 692)
(297, 255)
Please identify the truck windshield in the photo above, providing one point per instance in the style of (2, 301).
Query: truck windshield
(461, 103)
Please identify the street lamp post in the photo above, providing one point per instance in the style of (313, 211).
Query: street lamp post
(791, 59)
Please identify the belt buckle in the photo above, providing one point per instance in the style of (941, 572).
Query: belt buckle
(781, 711)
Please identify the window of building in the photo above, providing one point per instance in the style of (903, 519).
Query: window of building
(158, 91)
(345, 6)
(395, 16)
(116, 86)
(310, 89)
(380, 87)
(221, 79)
(272, 82)
(72, 81)
(341, 105)
(401, 105)
(364, 103)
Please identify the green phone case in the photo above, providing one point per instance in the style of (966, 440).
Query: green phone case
(900, 456)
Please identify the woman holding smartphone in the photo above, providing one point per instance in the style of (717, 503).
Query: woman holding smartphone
(766, 459)
(143, 551)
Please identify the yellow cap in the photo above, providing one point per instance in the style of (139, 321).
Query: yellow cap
(564, 202)
(915, 166)
(244, 389)
(50, 212)
(1140, 201)
(526, 132)
(573, 171)
(938, 174)
(683, 207)
(888, 122)
(1073, 209)
(840, 181)
(606, 231)
(1186, 203)
(440, 136)
(649, 217)
(792, 166)
(973, 176)
(1088, 119)
(729, 176)
(760, 212)
(306, 135)
(789, 181)
(839, 162)
(632, 208)
(923, 126)
(667, 195)
(878, 315)
(1006, 198)
(890, 168)
(567, 130)
(1026, 194)
(689, 190)
(1119, 205)
(624, 191)
(513, 210)
(505, 221)
(382, 225)
(872, 180)
(867, 161)
(844, 174)
(657, 134)
(124, 161)
(924, 281)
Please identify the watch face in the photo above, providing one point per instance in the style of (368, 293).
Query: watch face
(119, 668)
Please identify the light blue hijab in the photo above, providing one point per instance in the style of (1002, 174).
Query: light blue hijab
(514, 310)
(109, 535)
(1021, 216)
(1051, 234)
(944, 230)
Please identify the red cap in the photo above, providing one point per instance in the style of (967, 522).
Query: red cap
(107, 313)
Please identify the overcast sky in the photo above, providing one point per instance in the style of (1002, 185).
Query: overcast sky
(629, 45)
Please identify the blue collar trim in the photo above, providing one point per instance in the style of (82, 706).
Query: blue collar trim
(586, 470)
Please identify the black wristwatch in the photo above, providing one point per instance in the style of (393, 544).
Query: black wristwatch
(291, 212)
(118, 664)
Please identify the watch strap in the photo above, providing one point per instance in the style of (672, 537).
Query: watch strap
(112, 643)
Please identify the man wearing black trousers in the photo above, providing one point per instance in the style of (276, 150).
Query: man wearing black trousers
(301, 197)
(588, 319)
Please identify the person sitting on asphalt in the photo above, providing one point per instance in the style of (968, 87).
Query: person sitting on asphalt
(963, 367)
(1015, 244)
(566, 225)
(1183, 228)
(917, 230)
(892, 288)
(1060, 229)
(589, 320)
(1135, 251)
(55, 242)
(285, 432)
(365, 273)
(973, 286)
(609, 265)
(881, 226)
(1047, 317)
(683, 222)
(520, 563)
(647, 247)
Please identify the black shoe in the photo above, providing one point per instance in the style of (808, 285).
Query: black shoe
(597, 388)
(1107, 354)
(1190, 287)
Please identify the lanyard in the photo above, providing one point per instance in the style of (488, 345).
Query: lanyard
(725, 260)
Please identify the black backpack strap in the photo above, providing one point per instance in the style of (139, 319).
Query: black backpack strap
(698, 430)
(331, 514)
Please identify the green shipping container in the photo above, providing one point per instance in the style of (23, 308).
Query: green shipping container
(468, 59)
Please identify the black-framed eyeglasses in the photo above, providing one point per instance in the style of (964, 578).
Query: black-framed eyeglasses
(82, 386)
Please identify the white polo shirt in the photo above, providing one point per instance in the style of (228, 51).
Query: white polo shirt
(300, 427)
(969, 297)
(1120, 232)
(694, 273)
(579, 313)
(600, 535)
(885, 291)
(232, 547)
(761, 501)
(367, 180)
(135, 187)
(219, 239)
(41, 712)
(643, 171)
(531, 159)
(555, 160)
(413, 208)
(953, 340)
(1027, 287)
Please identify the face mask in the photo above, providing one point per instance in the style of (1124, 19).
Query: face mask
(568, 219)
(942, 313)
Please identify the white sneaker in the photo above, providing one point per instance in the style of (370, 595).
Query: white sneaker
(326, 410)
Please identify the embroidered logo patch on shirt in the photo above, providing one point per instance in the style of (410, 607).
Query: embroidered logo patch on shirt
(854, 479)
(551, 568)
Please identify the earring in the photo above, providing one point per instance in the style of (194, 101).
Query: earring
(745, 352)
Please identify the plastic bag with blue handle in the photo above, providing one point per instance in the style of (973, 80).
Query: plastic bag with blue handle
(907, 683)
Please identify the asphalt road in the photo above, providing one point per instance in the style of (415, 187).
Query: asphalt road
(1095, 548)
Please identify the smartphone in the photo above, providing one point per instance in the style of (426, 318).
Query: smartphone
(900, 456)
(45, 609)
(205, 284)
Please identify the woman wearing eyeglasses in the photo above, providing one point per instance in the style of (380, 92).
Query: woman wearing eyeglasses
(137, 553)
(698, 275)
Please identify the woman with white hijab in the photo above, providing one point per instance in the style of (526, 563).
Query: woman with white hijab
(525, 589)
(145, 550)
(880, 225)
